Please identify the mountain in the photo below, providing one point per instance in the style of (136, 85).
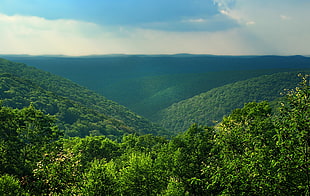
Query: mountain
(147, 84)
(208, 108)
(80, 111)
(148, 95)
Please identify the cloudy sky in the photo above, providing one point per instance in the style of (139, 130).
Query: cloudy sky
(84, 27)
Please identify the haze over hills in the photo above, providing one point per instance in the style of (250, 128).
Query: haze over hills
(119, 152)
(148, 83)
(157, 86)
(150, 98)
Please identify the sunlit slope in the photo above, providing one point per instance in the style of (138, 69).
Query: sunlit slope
(148, 95)
(81, 112)
(209, 107)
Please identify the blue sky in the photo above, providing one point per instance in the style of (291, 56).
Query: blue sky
(80, 27)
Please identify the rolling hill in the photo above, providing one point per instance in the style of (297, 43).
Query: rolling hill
(147, 84)
(80, 111)
(209, 108)
(158, 86)
(148, 95)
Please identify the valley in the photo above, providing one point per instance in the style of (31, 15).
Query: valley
(151, 85)
(209, 131)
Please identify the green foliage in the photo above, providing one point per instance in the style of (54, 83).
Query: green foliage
(149, 94)
(147, 84)
(80, 111)
(10, 185)
(210, 107)
(58, 173)
(265, 154)
(92, 148)
(246, 150)
(24, 134)
(191, 151)
(293, 141)
(139, 176)
(101, 178)
(175, 188)
(145, 143)
(252, 151)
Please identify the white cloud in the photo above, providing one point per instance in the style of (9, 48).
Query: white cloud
(284, 17)
(224, 4)
(197, 20)
(264, 28)
(35, 35)
(224, 12)
(230, 42)
(279, 26)
(250, 23)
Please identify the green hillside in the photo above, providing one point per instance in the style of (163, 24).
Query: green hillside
(209, 107)
(149, 95)
(252, 151)
(149, 83)
(157, 91)
(80, 111)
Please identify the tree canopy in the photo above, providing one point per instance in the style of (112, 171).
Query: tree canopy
(254, 150)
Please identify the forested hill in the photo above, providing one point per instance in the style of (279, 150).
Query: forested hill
(81, 112)
(148, 83)
(148, 95)
(209, 108)
(252, 151)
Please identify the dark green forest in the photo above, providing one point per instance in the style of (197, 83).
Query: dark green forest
(252, 151)
(208, 108)
(147, 84)
(149, 95)
(223, 132)
(80, 111)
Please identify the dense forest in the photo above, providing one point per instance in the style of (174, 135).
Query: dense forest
(147, 84)
(208, 108)
(253, 151)
(226, 132)
(149, 95)
(80, 111)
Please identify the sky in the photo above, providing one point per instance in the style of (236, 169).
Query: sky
(219, 27)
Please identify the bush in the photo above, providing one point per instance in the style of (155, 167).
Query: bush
(9, 185)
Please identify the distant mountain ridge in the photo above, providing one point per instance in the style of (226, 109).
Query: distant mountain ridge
(149, 83)
(153, 85)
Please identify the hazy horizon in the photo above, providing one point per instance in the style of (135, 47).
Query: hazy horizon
(136, 27)
(151, 55)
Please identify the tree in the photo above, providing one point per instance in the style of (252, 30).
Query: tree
(58, 173)
(92, 147)
(9, 185)
(100, 177)
(145, 143)
(24, 135)
(293, 141)
(139, 176)
(192, 151)
(246, 151)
